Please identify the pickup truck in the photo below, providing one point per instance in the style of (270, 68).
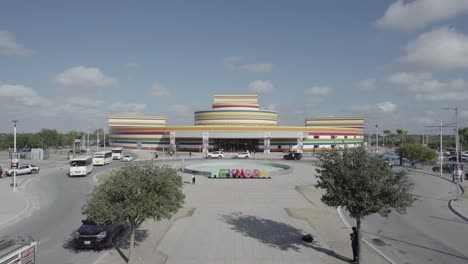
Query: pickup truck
(23, 169)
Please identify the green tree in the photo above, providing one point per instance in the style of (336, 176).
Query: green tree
(401, 132)
(387, 134)
(417, 153)
(463, 133)
(134, 194)
(362, 184)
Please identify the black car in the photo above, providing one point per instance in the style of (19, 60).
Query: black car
(292, 156)
(96, 236)
(446, 168)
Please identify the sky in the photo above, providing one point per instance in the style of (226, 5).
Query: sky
(68, 65)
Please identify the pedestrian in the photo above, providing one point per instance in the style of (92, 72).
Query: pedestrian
(193, 178)
(190, 154)
(354, 243)
(1, 172)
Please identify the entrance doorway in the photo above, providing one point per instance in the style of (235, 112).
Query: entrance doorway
(237, 144)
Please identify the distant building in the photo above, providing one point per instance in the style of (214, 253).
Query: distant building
(235, 123)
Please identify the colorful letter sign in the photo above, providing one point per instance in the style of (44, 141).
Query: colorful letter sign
(239, 174)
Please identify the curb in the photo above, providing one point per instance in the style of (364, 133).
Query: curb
(340, 213)
(461, 191)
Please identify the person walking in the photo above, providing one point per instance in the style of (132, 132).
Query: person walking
(193, 178)
(354, 243)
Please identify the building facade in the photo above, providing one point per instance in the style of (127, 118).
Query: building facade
(235, 123)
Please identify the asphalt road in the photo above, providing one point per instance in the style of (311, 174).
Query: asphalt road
(428, 233)
(57, 201)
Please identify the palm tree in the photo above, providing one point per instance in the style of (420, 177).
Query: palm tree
(402, 132)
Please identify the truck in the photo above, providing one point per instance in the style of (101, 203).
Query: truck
(17, 250)
(23, 169)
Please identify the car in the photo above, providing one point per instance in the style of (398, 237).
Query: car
(215, 154)
(96, 236)
(446, 168)
(292, 156)
(23, 169)
(127, 157)
(242, 155)
(460, 158)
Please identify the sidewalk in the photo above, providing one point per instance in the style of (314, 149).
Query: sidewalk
(460, 205)
(331, 229)
(14, 205)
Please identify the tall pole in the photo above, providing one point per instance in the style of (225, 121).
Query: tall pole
(377, 138)
(87, 149)
(15, 156)
(97, 139)
(457, 144)
(104, 138)
(441, 155)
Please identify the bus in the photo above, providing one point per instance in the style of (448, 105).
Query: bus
(117, 153)
(102, 158)
(81, 166)
(19, 250)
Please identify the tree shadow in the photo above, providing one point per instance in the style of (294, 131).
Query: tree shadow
(274, 234)
(452, 220)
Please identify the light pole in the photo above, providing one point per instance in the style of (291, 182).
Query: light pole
(377, 139)
(15, 156)
(457, 143)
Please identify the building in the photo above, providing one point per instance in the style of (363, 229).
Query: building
(236, 122)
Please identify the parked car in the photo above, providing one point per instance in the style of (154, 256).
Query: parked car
(23, 169)
(446, 168)
(127, 157)
(215, 154)
(292, 156)
(242, 155)
(96, 236)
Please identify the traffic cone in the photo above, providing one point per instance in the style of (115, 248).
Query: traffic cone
(3, 175)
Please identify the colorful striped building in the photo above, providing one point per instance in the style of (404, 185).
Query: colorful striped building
(236, 123)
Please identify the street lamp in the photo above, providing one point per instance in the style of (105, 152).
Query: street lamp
(15, 155)
(377, 138)
(456, 134)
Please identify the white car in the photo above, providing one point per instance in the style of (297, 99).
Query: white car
(23, 169)
(127, 157)
(215, 154)
(242, 155)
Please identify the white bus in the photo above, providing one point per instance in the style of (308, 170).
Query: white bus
(102, 158)
(81, 166)
(117, 153)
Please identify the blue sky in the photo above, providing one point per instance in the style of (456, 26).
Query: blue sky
(69, 64)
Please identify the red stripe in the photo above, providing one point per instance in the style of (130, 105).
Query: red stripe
(334, 134)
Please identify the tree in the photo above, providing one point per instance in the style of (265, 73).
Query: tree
(402, 132)
(363, 184)
(417, 153)
(387, 133)
(134, 194)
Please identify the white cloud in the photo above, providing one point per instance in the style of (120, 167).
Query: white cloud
(159, 90)
(366, 85)
(383, 107)
(424, 88)
(9, 46)
(261, 87)
(132, 65)
(232, 62)
(442, 49)
(434, 90)
(239, 62)
(318, 91)
(83, 78)
(407, 78)
(127, 109)
(386, 107)
(259, 67)
(20, 95)
(412, 15)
